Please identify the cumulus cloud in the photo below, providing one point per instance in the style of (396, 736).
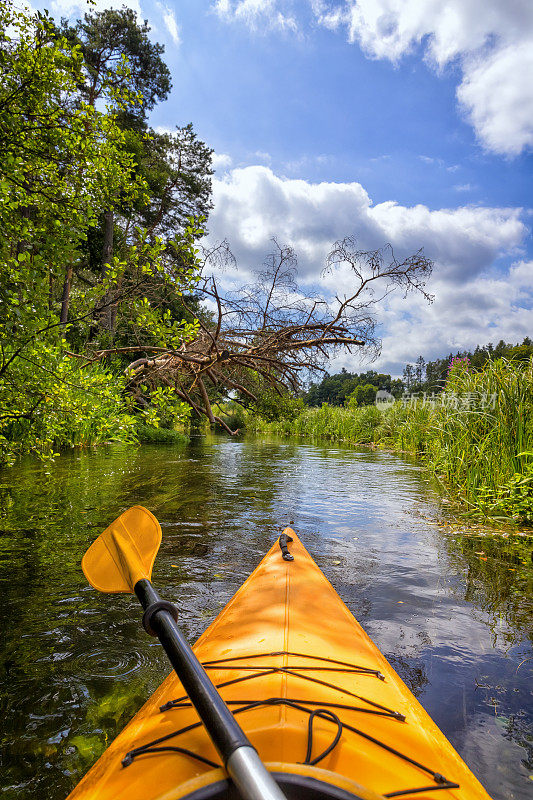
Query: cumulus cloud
(490, 40)
(497, 95)
(221, 161)
(252, 204)
(474, 303)
(479, 311)
(257, 14)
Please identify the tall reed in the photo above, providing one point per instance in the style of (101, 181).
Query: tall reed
(477, 435)
(478, 438)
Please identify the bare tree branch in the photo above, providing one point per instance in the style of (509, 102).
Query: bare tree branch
(266, 335)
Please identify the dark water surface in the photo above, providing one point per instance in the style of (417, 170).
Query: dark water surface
(451, 609)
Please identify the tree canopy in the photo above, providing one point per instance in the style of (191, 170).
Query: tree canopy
(65, 162)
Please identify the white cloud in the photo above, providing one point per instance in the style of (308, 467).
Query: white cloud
(252, 204)
(491, 40)
(221, 161)
(260, 155)
(497, 95)
(68, 7)
(484, 309)
(171, 24)
(257, 14)
(474, 304)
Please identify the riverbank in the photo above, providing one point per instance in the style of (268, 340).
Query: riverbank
(476, 437)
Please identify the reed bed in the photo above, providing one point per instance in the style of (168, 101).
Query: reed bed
(476, 436)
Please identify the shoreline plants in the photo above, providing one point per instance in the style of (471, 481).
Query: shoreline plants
(476, 436)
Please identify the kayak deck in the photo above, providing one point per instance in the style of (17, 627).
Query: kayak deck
(312, 692)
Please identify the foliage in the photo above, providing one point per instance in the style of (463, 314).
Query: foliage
(362, 395)
(177, 169)
(477, 445)
(331, 422)
(334, 389)
(431, 377)
(108, 39)
(148, 434)
(232, 414)
(272, 406)
(514, 497)
(66, 161)
(70, 405)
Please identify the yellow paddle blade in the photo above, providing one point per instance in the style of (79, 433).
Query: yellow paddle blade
(124, 553)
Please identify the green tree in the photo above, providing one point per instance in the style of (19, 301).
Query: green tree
(362, 395)
(108, 40)
(175, 168)
(118, 60)
(64, 162)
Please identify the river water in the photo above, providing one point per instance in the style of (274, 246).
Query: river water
(449, 605)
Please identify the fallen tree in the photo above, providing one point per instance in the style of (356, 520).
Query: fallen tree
(265, 335)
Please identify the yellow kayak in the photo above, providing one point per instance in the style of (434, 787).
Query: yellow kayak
(325, 711)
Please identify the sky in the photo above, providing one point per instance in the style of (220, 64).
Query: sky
(407, 122)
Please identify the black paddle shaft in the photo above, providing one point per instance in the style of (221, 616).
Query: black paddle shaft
(225, 732)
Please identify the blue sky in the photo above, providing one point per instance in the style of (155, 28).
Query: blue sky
(409, 121)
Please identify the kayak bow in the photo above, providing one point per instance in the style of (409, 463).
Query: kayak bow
(325, 711)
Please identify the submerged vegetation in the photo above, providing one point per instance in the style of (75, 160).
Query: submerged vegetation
(476, 436)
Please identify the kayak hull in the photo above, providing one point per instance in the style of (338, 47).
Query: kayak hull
(313, 693)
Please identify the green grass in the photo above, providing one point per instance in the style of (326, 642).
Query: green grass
(147, 434)
(477, 439)
(328, 422)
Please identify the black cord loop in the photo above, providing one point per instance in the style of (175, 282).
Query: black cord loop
(259, 670)
(323, 713)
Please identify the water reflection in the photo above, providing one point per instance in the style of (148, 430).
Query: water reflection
(76, 665)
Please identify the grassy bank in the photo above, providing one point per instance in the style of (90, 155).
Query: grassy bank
(476, 436)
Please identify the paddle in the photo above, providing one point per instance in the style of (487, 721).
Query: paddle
(121, 560)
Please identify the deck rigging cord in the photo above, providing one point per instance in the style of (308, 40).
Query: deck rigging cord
(322, 711)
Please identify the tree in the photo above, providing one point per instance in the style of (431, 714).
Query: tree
(264, 336)
(64, 162)
(118, 61)
(177, 170)
(408, 376)
(420, 369)
(362, 395)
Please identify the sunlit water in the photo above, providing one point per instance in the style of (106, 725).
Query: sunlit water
(76, 665)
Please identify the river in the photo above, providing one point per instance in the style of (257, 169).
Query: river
(449, 605)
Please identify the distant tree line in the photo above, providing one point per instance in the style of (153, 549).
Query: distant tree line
(346, 387)
(431, 376)
(336, 389)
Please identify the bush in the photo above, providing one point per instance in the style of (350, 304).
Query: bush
(273, 407)
(147, 434)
